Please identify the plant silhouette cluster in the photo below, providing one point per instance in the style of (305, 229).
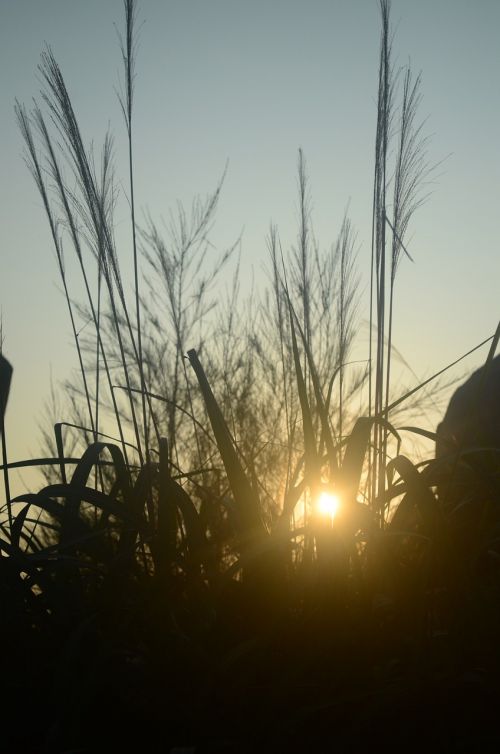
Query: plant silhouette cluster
(174, 584)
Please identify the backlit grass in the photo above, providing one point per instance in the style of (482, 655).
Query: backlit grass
(230, 559)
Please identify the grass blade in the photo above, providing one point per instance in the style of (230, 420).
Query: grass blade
(246, 498)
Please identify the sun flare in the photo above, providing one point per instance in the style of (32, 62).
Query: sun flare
(328, 504)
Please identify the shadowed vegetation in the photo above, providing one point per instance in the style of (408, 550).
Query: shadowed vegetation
(175, 580)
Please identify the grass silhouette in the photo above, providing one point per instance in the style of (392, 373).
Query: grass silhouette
(177, 586)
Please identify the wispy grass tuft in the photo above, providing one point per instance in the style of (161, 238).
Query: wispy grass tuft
(167, 573)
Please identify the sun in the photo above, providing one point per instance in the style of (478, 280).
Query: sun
(328, 504)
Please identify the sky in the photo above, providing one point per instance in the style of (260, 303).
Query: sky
(246, 84)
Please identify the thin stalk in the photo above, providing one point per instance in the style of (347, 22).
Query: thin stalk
(74, 233)
(5, 462)
(5, 377)
(35, 169)
(127, 102)
(98, 202)
(278, 301)
(380, 190)
(304, 287)
(381, 315)
(98, 340)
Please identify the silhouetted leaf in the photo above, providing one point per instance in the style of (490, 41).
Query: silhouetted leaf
(418, 495)
(249, 520)
(5, 378)
(354, 456)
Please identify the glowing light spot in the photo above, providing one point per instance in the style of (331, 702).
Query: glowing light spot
(328, 504)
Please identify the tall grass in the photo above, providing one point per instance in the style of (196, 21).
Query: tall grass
(188, 559)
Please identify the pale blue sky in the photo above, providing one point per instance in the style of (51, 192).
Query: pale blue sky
(250, 82)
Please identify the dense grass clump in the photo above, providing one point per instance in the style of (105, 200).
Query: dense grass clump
(224, 557)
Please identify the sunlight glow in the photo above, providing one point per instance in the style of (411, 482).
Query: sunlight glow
(328, 504)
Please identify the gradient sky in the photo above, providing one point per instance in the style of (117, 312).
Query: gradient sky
(250, 83)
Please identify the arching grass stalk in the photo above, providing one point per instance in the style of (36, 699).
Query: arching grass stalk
(97, 207)
(67, 199)
(34, 167)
